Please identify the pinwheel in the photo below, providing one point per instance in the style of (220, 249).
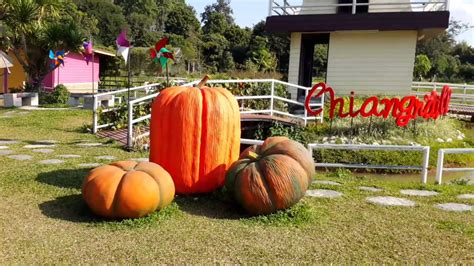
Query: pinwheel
(160, 53)
(87, 53)
(58, 58)
(123, 45)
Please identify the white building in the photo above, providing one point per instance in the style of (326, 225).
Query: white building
(371, 43)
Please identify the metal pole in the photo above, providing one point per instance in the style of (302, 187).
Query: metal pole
(94, 114)
(304, 108)
(426, 160)
(130, 111)
(272, 92)
(354, 6)
(439, 166)
(130, 126)
(270, 7)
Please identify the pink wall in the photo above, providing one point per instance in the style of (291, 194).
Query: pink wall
(75, 70)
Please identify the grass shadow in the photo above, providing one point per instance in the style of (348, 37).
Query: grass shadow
(216, 205)
(70, 208)
(64, 178)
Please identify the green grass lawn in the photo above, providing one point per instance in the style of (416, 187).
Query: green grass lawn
(44, 220)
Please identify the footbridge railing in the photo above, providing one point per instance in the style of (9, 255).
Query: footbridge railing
(255, 96)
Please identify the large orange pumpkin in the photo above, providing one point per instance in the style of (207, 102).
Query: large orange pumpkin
(271, 177)
(195, 136)
(127, 189)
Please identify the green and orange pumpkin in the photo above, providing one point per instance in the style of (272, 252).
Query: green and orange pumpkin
(271, 177)
(195, 136)
(127, 189)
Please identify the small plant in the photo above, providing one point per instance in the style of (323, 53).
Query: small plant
(59, 95)
(341, 173)
(460, 181)
(141, 143)
(299, 215)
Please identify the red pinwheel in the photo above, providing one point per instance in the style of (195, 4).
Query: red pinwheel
(160, 53)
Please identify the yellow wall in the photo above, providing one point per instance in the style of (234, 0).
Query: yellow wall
(17, 75)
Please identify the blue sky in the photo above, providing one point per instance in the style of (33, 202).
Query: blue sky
(249, 12)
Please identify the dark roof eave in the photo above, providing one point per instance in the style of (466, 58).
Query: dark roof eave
(368, 21)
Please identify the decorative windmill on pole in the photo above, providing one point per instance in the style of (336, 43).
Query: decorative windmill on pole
(58, 59)
(161, 54)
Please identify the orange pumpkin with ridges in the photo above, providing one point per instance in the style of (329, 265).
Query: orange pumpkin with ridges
(195, 136)
(271, 177)
(127, 189)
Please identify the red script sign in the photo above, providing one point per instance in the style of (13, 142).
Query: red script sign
(403, 110)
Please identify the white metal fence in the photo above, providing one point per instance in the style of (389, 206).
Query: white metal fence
(423, 168)
(272, 98)
(425, 150)
(292, 7)
(440, 165)
(462, 93)
(118, 96)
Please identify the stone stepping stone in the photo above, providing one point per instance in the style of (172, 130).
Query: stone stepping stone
(466, 196)
(51, 161)
(420, 193)
(20, 157)
(454, 207)
(89, 165)
(43, 150)
(8, 142)
(390, 201)
(4, 147)
(47, 141)
(5, 152)
(38, 146)
(325, 182)
(106, 157)
(370, 189)
(323, 193)
(69, 156)
(140, 159)
(89, 144)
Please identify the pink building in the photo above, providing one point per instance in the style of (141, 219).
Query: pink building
(76, 74)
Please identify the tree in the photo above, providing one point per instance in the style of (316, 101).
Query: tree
(110, 19)
(260, 55)
(215, 24)
(221, 7)
(440, 51)
(142, 17)
(239, 41)
(214, 52)
(422, 66)
(278, 44)
(181, 20)
(33, 27)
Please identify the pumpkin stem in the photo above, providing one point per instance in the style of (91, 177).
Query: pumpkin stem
(203, 81)
(253, 155)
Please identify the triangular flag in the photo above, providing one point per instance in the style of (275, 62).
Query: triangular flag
(123, 45)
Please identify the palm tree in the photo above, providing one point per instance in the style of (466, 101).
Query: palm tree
(33, 27)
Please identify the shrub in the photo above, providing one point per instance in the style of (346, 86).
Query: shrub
(59, 95)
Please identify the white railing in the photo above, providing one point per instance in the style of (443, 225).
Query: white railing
(313, 146)
(117, 97)
(272, 111)
(284, 7)
(423, 168)
(462, 93)
(440, 165)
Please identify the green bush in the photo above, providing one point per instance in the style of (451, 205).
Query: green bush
(59, 95)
